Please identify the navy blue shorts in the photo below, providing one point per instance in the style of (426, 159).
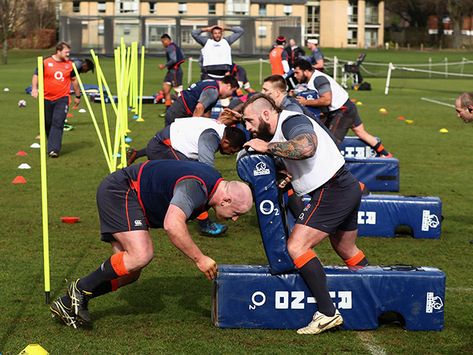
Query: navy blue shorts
(174, 77)
(334, 205)
(118, 206)
(340, 121)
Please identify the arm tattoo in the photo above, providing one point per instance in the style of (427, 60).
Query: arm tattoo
(300, 147)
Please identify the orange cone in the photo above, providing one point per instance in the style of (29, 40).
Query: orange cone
(19, 180)
(21, 153)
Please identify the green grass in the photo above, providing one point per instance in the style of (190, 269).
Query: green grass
(168, 310)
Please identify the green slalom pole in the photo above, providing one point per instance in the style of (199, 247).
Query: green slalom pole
(44, 183)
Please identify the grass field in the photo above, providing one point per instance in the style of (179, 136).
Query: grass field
(168, 310)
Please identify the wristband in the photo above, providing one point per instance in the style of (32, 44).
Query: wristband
(78, 97)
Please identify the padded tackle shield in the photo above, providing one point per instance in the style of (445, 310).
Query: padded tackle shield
(378, 174)
(380, 215)
(259, 171)
(354, 147)
(248, 296)
(311, 95)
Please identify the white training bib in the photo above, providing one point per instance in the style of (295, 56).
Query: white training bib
(216, 53)
(184, 134)
(311, 173)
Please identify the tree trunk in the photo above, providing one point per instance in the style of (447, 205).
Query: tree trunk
(457, 35)
(5, 51)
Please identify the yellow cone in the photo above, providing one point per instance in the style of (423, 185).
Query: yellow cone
(443, 130)
(34, 349)
(383, 110)
(409, 121)
(359, 103)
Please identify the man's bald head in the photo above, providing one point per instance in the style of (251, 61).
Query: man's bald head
(241, 195)
(231, 200)
(464, 107)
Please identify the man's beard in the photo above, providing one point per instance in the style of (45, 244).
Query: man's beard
(263, 131)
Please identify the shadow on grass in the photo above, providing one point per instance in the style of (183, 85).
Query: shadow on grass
(22, 304)
(162, 295)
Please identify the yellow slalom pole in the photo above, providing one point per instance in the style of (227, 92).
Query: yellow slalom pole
(142, 74)
(118, 72)
(99, 70)
(135, 77)
(125, 91)
(117, 57)
(104, 107)
(92, 115)
(44, 182)
(131, 96)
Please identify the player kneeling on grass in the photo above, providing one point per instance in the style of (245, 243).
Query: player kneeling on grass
(155, 194)
(317, 168)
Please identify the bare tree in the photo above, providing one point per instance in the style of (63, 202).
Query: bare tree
(45, 15)
(457, 9)
(12, 17)
(414, 12)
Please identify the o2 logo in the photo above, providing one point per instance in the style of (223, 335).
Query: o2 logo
(267, 207)
(298, 299)
(59, 76)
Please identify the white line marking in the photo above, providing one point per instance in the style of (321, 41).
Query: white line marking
(370, 344)
(437, 102)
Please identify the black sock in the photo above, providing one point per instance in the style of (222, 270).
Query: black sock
(103, 274)
(204, 222)
(102, 289)
(314, 276)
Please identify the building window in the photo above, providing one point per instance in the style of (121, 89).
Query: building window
(76, 6)
(352, 10)
(371, 12)
(100, 29)
(126, 30)
(313, 20)
(352, 37)
(240, 7)
(262, 10)
(371, 37)
(102, 7)
(262, 31)
(212, 9)
(182, 8)
(186, 37)
(128, 7)
(287, 10)
(152, 7)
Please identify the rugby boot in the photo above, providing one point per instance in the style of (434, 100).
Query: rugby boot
(320, 323)
(65, 314)
(213, 229)
(79, 304)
